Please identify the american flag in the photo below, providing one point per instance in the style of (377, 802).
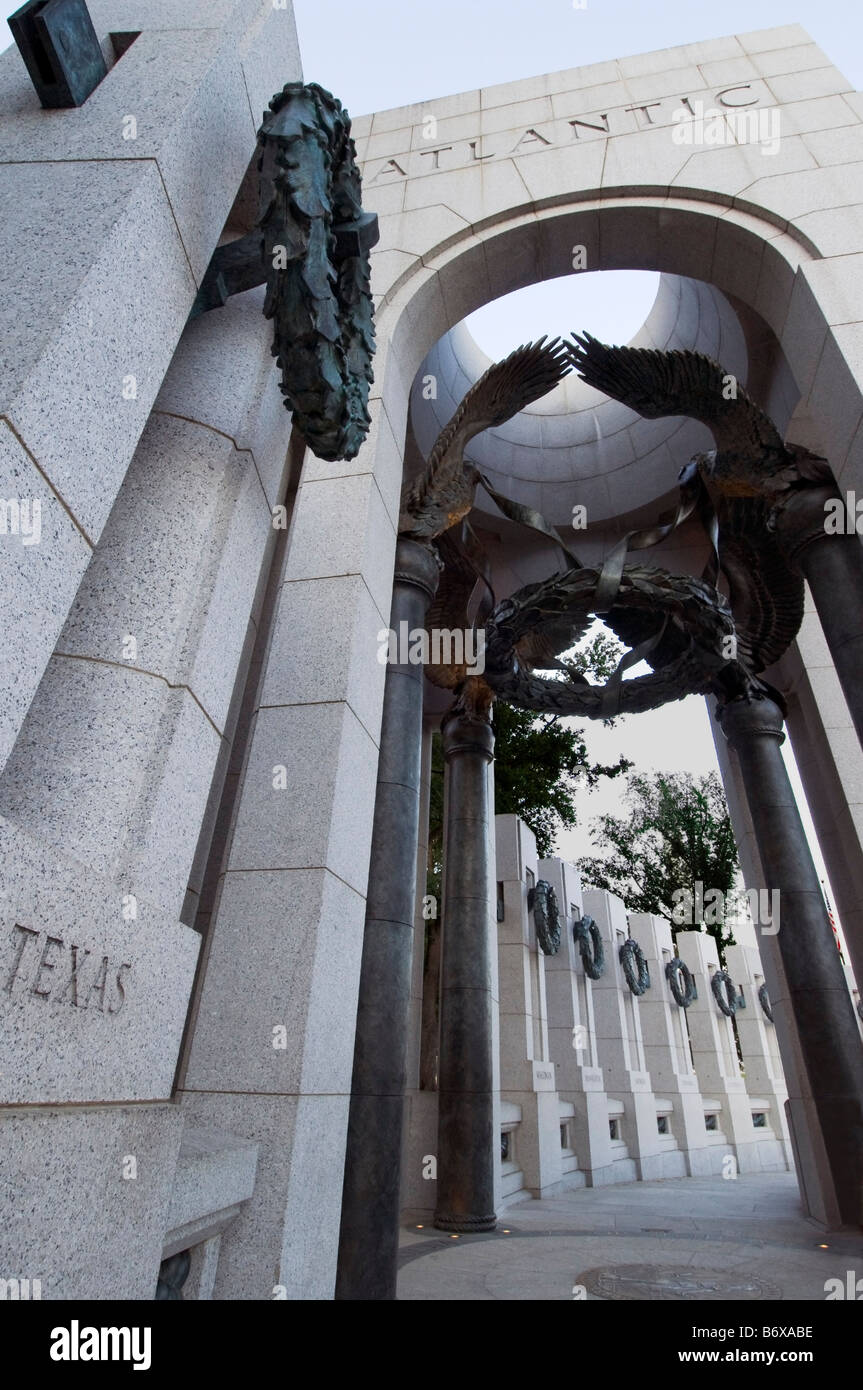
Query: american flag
(833, 922)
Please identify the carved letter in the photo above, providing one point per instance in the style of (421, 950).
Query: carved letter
(437, 154)
(45, 964)
(589, 125)
(535, 138)
(121, 991)
(72, 982)
(98, 985)
(392, 166)
(648, 119)
(25, 932)
(745, 87)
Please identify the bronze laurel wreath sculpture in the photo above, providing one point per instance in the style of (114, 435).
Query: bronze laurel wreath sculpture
(546, 918)
(315, 242)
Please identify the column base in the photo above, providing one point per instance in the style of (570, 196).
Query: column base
(466, 1225)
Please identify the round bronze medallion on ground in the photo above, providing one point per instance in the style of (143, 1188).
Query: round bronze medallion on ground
(674, 1282)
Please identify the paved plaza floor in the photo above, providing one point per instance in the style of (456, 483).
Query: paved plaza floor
(685, 1239)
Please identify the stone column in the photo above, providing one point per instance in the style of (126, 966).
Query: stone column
(527, 1072)
(465, 1197)
(667, 1052)
(419, 1180)
(101, 805)
(714, 1054)
(368, 1243)
(572, 1042)
(758, 1044)
(833, 566)
(816, 990)
(814, 1176)
(621, 1054)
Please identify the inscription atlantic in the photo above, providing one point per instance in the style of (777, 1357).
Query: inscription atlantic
(64, 972)
(622, 120)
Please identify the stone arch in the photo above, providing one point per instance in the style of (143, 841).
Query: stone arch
(741, 252)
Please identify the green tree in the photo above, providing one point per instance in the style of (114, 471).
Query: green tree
(539, 763)
(676, 836)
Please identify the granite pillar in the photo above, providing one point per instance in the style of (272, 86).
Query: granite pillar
(631, 1096)
(668, 1052)
(759, 1047)
(368, 1242)
(817, 993)
(811, 1163)
(527, 1071)
(101, 806)
(832, 563)
(465, 1197)
(419, 1178)
(573, 1044)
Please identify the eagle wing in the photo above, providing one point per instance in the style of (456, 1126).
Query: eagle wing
(765, 593)
(436, 499)
(679, 382)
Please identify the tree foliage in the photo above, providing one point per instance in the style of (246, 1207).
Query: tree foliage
(676, 836)
(539, 762)
(538, 767)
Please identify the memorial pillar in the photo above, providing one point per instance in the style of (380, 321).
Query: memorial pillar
(101, 807)
(667, 1049)
(572, 1041)
(465, 1195)
(632, 1100)
(527, 1071)
(759, 1047)
(817, 993)
(832, 563)
(368, 1242)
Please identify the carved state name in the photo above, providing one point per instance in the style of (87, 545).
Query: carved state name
(620, 120)
(50, 968)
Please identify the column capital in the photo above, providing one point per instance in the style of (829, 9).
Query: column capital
(463, 733)
(744, 718)
(416, 564)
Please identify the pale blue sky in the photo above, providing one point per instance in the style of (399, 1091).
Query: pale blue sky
(393, 52)
(389, 52)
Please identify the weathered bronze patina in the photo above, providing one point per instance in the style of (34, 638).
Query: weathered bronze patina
(311, 247)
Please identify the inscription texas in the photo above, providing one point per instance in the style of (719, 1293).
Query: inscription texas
(60, 972)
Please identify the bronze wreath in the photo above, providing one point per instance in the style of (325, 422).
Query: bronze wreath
(586, 933)
(764, 1001)
(680, 982)
(724, 992)
(546, 917)
(634, 963)
(691, 621)
(315, 241)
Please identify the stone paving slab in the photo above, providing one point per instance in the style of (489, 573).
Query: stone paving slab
(686, 1239)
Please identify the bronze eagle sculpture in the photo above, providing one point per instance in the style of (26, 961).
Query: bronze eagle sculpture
(742, 480)
(435, 506)
(443, 493)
